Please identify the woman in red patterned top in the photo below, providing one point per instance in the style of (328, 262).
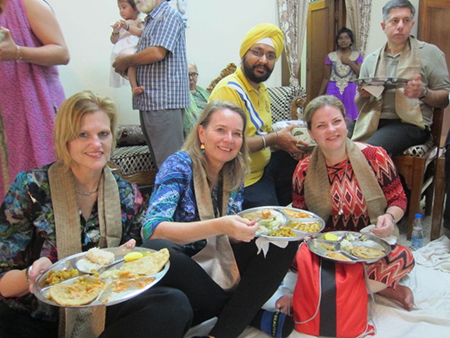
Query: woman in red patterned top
(355, 194)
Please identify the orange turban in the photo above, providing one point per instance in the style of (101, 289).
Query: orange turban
(261, 31)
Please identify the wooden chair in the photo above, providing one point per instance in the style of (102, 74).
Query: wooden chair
(419, 173)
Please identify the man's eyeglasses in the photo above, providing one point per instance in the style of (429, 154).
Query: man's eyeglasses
(193, 74)
(270, 56)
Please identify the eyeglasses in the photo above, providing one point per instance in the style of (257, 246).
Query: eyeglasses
(193, 74)
(270, 56)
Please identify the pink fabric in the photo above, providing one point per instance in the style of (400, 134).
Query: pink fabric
(29, 97)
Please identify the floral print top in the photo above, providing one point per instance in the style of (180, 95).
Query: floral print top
(173, 198)
(27, 227)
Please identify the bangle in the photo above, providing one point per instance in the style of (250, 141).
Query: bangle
(264, 142)
(393, 218)
(115, 33)
(18, 53)
(27, 274)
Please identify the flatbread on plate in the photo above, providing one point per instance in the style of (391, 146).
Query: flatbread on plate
(148, 265)
(338, 256)
(367, 252)
(83, 291)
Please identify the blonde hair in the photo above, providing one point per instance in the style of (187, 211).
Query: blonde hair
(319, 102)
(238, 167)
(68, 120)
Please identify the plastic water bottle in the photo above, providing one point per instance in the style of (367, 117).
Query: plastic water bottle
(417, 234)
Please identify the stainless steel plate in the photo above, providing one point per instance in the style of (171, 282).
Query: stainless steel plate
(107, 297)
(320, 245)
(381, 81)
(256, 215)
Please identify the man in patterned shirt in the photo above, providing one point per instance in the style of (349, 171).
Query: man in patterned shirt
(162, 70)
(270, 179)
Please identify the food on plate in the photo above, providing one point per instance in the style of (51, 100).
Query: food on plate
(283, 231)
(296, 213)
(352, 237)
(330, 237)
(367, 252)
(327, 246)
(338, 256)
(148, 265)
(81, 292)
(59, 276)
(101, 257)
(130, 284)
(309, 227)
(132, 256)
(346, 245)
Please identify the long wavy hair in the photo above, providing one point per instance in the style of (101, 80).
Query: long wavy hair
(237, 168)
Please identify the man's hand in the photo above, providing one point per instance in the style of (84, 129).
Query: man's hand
(122, 64)
(362, 92)
(288, 142)
(414, 88)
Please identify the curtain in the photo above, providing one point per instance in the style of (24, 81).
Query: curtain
(358, 14)
(293, 15)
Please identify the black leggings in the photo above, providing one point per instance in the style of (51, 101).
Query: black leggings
(158, 312)
(260, 278)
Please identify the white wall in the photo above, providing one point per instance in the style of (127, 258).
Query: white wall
(214, 33)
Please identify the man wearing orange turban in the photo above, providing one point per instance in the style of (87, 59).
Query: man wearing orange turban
(269, 180)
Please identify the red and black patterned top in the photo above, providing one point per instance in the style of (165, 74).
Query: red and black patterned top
(346, 193)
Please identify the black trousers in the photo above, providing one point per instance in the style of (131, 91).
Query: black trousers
(394, 136)
(158, 312)
(260, 278)
(275, 186)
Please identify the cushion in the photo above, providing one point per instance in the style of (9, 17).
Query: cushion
(133, 159)
(281, 99)
(420, 149)
(130, 135)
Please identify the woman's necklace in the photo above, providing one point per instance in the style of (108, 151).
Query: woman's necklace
(342, 186)
(87, 193)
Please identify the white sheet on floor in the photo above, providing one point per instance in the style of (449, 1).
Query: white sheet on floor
(431, 288)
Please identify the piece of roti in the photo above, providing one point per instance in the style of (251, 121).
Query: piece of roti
(365, 252)
(83, 291)
(148, 265)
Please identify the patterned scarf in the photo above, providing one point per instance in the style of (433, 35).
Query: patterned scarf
(217, 258)
(406, 108)
(84, 322)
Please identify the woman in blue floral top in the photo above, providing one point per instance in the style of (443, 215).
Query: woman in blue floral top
(80, 191)
(214, 259)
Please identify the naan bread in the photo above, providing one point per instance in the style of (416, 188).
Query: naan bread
(148, 265)
(83, 291)
(365, 252)
(338, 256)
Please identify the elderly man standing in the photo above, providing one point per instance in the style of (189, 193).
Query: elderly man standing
(270, 179)
(401, 116)
(162, 70)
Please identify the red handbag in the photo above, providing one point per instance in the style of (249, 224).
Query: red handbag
(330, 299)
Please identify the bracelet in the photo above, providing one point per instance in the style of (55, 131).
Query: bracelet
(18, 53)
(27, 274)
(115, 33)
(264, 142)
(393, 218)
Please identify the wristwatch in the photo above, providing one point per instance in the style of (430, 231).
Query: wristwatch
(27, 273)
(424, 93)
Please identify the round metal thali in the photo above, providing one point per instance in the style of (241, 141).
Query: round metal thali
(335, 249)
(284, 217)
(134, 286)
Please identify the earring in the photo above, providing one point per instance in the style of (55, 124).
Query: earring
(202, 148)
